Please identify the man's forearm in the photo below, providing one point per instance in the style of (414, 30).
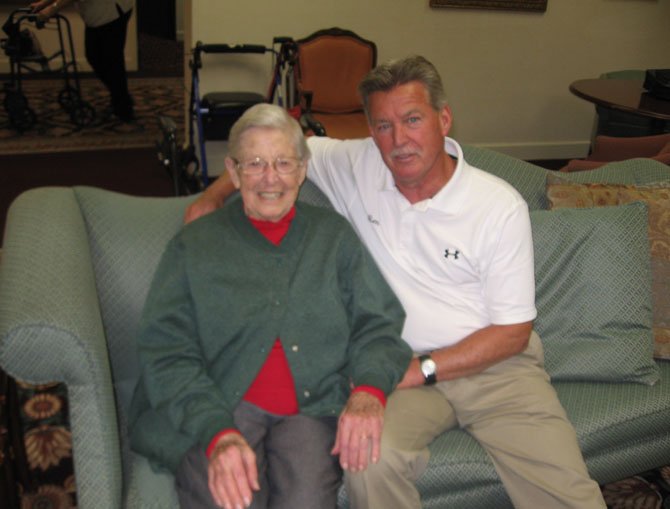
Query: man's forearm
(473, 354)
(213, 198)
(221, 189)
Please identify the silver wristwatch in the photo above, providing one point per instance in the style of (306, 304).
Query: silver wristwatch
(428, 368)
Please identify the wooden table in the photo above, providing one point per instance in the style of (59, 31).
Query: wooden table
(625, 95)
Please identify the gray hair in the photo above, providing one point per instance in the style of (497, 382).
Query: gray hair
(269, 116)
(393, 73)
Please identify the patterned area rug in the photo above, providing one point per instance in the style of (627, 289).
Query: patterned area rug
(54, 130)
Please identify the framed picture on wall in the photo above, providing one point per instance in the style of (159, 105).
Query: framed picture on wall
(507, 5)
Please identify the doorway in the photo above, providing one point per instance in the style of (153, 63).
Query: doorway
(160, 50)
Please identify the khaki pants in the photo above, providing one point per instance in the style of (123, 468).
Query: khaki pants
(511, 410)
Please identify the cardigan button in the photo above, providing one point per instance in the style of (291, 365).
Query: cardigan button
(307, 394)
(295, 348)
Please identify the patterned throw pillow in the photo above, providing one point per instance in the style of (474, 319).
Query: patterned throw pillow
(564, 194)
(593, 297)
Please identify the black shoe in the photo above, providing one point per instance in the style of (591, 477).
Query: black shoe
(124, 110)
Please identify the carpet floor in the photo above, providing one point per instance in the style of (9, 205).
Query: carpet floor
(53, 129)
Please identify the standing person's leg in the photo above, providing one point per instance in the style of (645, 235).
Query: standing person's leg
(301, 471)
(514, 412)
(105, 47)
(413, 418)
(191, 477)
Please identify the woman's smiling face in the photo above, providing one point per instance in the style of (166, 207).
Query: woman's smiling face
(270, 195)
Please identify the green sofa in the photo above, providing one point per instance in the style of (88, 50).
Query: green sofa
(77, 264)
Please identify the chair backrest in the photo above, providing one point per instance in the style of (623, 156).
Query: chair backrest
(331, 63)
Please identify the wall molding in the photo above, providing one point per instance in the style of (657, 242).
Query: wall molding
(540, 150)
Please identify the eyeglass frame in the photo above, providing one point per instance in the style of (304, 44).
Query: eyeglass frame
(239, 165)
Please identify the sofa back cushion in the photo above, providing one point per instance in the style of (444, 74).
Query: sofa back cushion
(127, 236)
(527, 178)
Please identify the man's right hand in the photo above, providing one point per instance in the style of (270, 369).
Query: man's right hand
(200, 207)
(232, 471)
(213, 198)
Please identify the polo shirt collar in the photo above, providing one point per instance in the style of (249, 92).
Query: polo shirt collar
(450, 198)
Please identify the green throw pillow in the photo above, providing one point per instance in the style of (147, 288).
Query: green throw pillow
(593, 293)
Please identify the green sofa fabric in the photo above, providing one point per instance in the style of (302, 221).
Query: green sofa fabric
(75, 270)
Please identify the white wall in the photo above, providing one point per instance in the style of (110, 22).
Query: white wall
(506, 73)
(48, 39)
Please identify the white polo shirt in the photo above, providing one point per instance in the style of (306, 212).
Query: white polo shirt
(458, 262)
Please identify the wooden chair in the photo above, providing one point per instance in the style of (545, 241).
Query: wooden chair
(329, 65)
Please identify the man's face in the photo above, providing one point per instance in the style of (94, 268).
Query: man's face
(270, 195)
(410, 134)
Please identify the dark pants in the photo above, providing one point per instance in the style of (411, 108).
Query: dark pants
(105, 53)
(295, 467)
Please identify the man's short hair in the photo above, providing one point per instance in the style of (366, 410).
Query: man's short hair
(393, 73)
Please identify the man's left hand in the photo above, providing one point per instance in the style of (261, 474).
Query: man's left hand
(359, 432)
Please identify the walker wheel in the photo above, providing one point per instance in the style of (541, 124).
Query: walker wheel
(21, 116)
(23, 120)
(68, 97)
(82, 114)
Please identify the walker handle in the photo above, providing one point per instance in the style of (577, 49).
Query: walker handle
(226, 48)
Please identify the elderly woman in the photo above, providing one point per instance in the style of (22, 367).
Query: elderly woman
(266, 320)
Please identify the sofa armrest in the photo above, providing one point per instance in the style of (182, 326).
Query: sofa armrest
(51, 329)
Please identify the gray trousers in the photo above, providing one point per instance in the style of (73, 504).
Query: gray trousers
(295, 467)
(512, 410)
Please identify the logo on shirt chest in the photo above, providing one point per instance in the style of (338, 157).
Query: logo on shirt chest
(451, 253)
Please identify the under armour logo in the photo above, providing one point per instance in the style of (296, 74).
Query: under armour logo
(455, 254)
(373, 220)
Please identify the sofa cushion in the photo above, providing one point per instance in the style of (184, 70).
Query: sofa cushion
(622, 428)
(562, 193)
(593, 293)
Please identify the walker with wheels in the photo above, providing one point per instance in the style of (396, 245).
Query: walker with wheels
(26, 57)
(212, 116)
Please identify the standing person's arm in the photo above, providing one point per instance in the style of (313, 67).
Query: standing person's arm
(48, 8)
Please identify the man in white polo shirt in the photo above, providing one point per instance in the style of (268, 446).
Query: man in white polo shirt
(455, 244)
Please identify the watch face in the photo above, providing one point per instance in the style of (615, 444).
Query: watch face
(428, 367)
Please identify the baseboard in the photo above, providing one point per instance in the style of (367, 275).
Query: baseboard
(535, 151)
